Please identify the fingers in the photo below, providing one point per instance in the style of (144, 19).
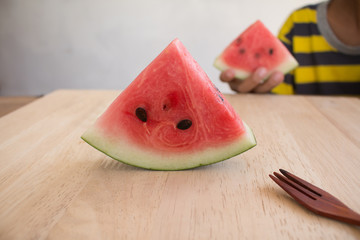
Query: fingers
(254, 83)
(250, 83)
(275, 79)
(227, 75)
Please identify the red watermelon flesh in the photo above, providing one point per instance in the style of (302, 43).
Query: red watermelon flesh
(255, 47)
(170, 117)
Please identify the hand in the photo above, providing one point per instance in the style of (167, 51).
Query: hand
(254, 83)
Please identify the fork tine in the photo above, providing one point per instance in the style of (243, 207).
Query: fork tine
(314, 198)
(293, 192)
(312, 188)
(297, 186)
(303, 183)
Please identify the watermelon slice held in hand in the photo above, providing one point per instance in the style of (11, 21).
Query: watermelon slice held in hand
(255, 47)
(170, 117)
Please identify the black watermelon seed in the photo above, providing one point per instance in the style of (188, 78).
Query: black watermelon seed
(257, 55)
(184, 124)
(141, 114)
(271, 51)
(166, 105)
(220, 97)
(238, 41)
(242, 51)
(218, 92)
(215, 87)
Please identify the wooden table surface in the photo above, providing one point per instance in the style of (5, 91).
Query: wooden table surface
(55, 186)
(9, 104)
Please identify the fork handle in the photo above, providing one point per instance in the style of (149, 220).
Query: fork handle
(350, 216)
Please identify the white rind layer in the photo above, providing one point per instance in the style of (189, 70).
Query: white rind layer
(286, 66)
(130, 154)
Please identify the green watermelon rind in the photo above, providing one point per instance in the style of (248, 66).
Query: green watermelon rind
(286, 66)
(205, 157)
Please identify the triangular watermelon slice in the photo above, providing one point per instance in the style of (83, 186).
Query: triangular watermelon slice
(170, 117)
(255, 47)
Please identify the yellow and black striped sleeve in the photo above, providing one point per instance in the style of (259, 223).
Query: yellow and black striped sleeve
(322, 68)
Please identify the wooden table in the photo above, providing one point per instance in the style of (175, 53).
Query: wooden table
(9, 104)
(55, 186)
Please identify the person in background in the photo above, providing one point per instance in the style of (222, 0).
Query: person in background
(325, 40)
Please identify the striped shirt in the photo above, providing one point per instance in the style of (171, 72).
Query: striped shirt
(326, 65)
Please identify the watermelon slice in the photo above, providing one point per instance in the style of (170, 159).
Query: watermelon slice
(170, 117)
(255, 47)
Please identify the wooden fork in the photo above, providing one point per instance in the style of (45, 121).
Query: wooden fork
(314, 198)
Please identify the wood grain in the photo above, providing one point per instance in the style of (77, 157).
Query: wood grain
(55, 186)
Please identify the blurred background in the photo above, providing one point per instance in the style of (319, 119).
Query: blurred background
(104, 44)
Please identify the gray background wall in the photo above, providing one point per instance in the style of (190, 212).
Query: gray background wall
(104, 44)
